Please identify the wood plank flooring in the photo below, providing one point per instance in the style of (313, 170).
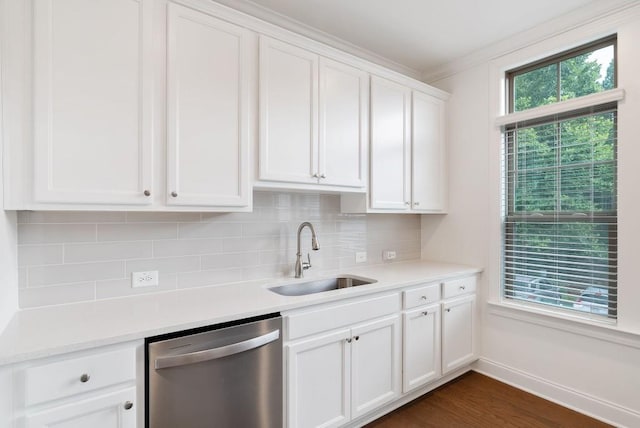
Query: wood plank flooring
(475, 400)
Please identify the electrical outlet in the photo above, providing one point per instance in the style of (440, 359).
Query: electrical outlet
(361, 257)
(388, 255)
(144, 279)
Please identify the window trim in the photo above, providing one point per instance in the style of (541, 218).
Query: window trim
(561, 110)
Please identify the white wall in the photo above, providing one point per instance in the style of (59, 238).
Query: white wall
(8, 239)
(593, 368)
(8, 269)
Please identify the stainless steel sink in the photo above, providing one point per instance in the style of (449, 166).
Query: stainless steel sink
(321, 285)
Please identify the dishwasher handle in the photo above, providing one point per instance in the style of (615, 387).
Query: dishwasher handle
(212, 354)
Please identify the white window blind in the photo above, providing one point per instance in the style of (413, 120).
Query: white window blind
(560, 210)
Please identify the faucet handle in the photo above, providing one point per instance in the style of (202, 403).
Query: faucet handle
(306, 265)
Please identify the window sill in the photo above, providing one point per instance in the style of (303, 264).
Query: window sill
(598, 329)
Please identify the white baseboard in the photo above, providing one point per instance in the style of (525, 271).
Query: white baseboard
(597, 408)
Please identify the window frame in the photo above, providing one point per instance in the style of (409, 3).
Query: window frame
(508, 187)
(557, 59)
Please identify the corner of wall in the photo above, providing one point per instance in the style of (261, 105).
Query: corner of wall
(8, 267)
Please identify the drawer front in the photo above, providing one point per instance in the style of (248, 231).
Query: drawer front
(459, 287)
(423, 295)
(77, 375)
(331, 317)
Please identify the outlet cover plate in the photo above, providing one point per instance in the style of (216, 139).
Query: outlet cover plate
(388, 255)
(361, 257)
(144, 279)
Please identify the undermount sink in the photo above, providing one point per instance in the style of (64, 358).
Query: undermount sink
(321, 285)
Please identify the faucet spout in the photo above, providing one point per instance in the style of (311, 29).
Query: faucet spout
(300, 265)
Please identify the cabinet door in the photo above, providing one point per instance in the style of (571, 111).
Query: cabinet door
(104, 411)
(458, 341)
(428, 184)
(344, 98)
(318, 381)
(92, 101)
(421, 347)
(207, 110)
(390, 145)
(288, 113)
(376, 366)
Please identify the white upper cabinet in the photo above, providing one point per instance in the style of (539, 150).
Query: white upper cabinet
(390, 144)
(288, 112)
(92, 101)
(344, 101)
(313, 127)
(408, 163)
(207, 110)
(428, 154)
(93, 81)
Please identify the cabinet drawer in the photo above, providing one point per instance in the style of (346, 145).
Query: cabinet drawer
(77, 375)
(423, 295)
(458, 287)
(330, 317)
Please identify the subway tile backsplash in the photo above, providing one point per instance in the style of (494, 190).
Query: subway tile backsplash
(67, 257)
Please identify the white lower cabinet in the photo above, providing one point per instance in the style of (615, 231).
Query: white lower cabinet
(94, 389)
(458, 338)
(336, 377)
(420, 347)
(112, 410)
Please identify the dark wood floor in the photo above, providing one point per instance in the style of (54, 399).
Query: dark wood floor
(475, 400)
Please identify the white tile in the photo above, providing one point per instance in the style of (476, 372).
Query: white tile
(59, 294)
(122, 287)
(77, 272)
(22, 277)
(165, 265)
(236, 245)
(102, 251)
(267, 271)
(70, 217)
(208, 277)
(158, 217)
(186, 247)
(232, 260)
(267, 229)
(55, 233)
(137, 231)
(29, 255)
(277, 257)
(209, 230)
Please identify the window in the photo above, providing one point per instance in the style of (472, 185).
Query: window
(559, 192)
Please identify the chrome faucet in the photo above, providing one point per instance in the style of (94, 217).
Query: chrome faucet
(300, 265)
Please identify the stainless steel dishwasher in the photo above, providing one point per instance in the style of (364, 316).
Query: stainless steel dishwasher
(228, 375)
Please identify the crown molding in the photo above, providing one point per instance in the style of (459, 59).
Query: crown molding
(611, 10)
(260, 12)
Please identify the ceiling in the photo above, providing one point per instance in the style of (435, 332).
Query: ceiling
(422, 34)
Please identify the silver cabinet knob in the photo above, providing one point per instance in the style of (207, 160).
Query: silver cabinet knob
(85, 378)
(147, 193)
(323, 176)
(315, 175)
(357, 337)
(462, 287)
(416, 203)
(448, 309)
(128, 405)
(174, 194)
(425, 313)
(348, 340)
(407, 203)
(423, 298)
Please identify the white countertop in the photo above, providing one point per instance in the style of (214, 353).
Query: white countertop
(47, 331)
